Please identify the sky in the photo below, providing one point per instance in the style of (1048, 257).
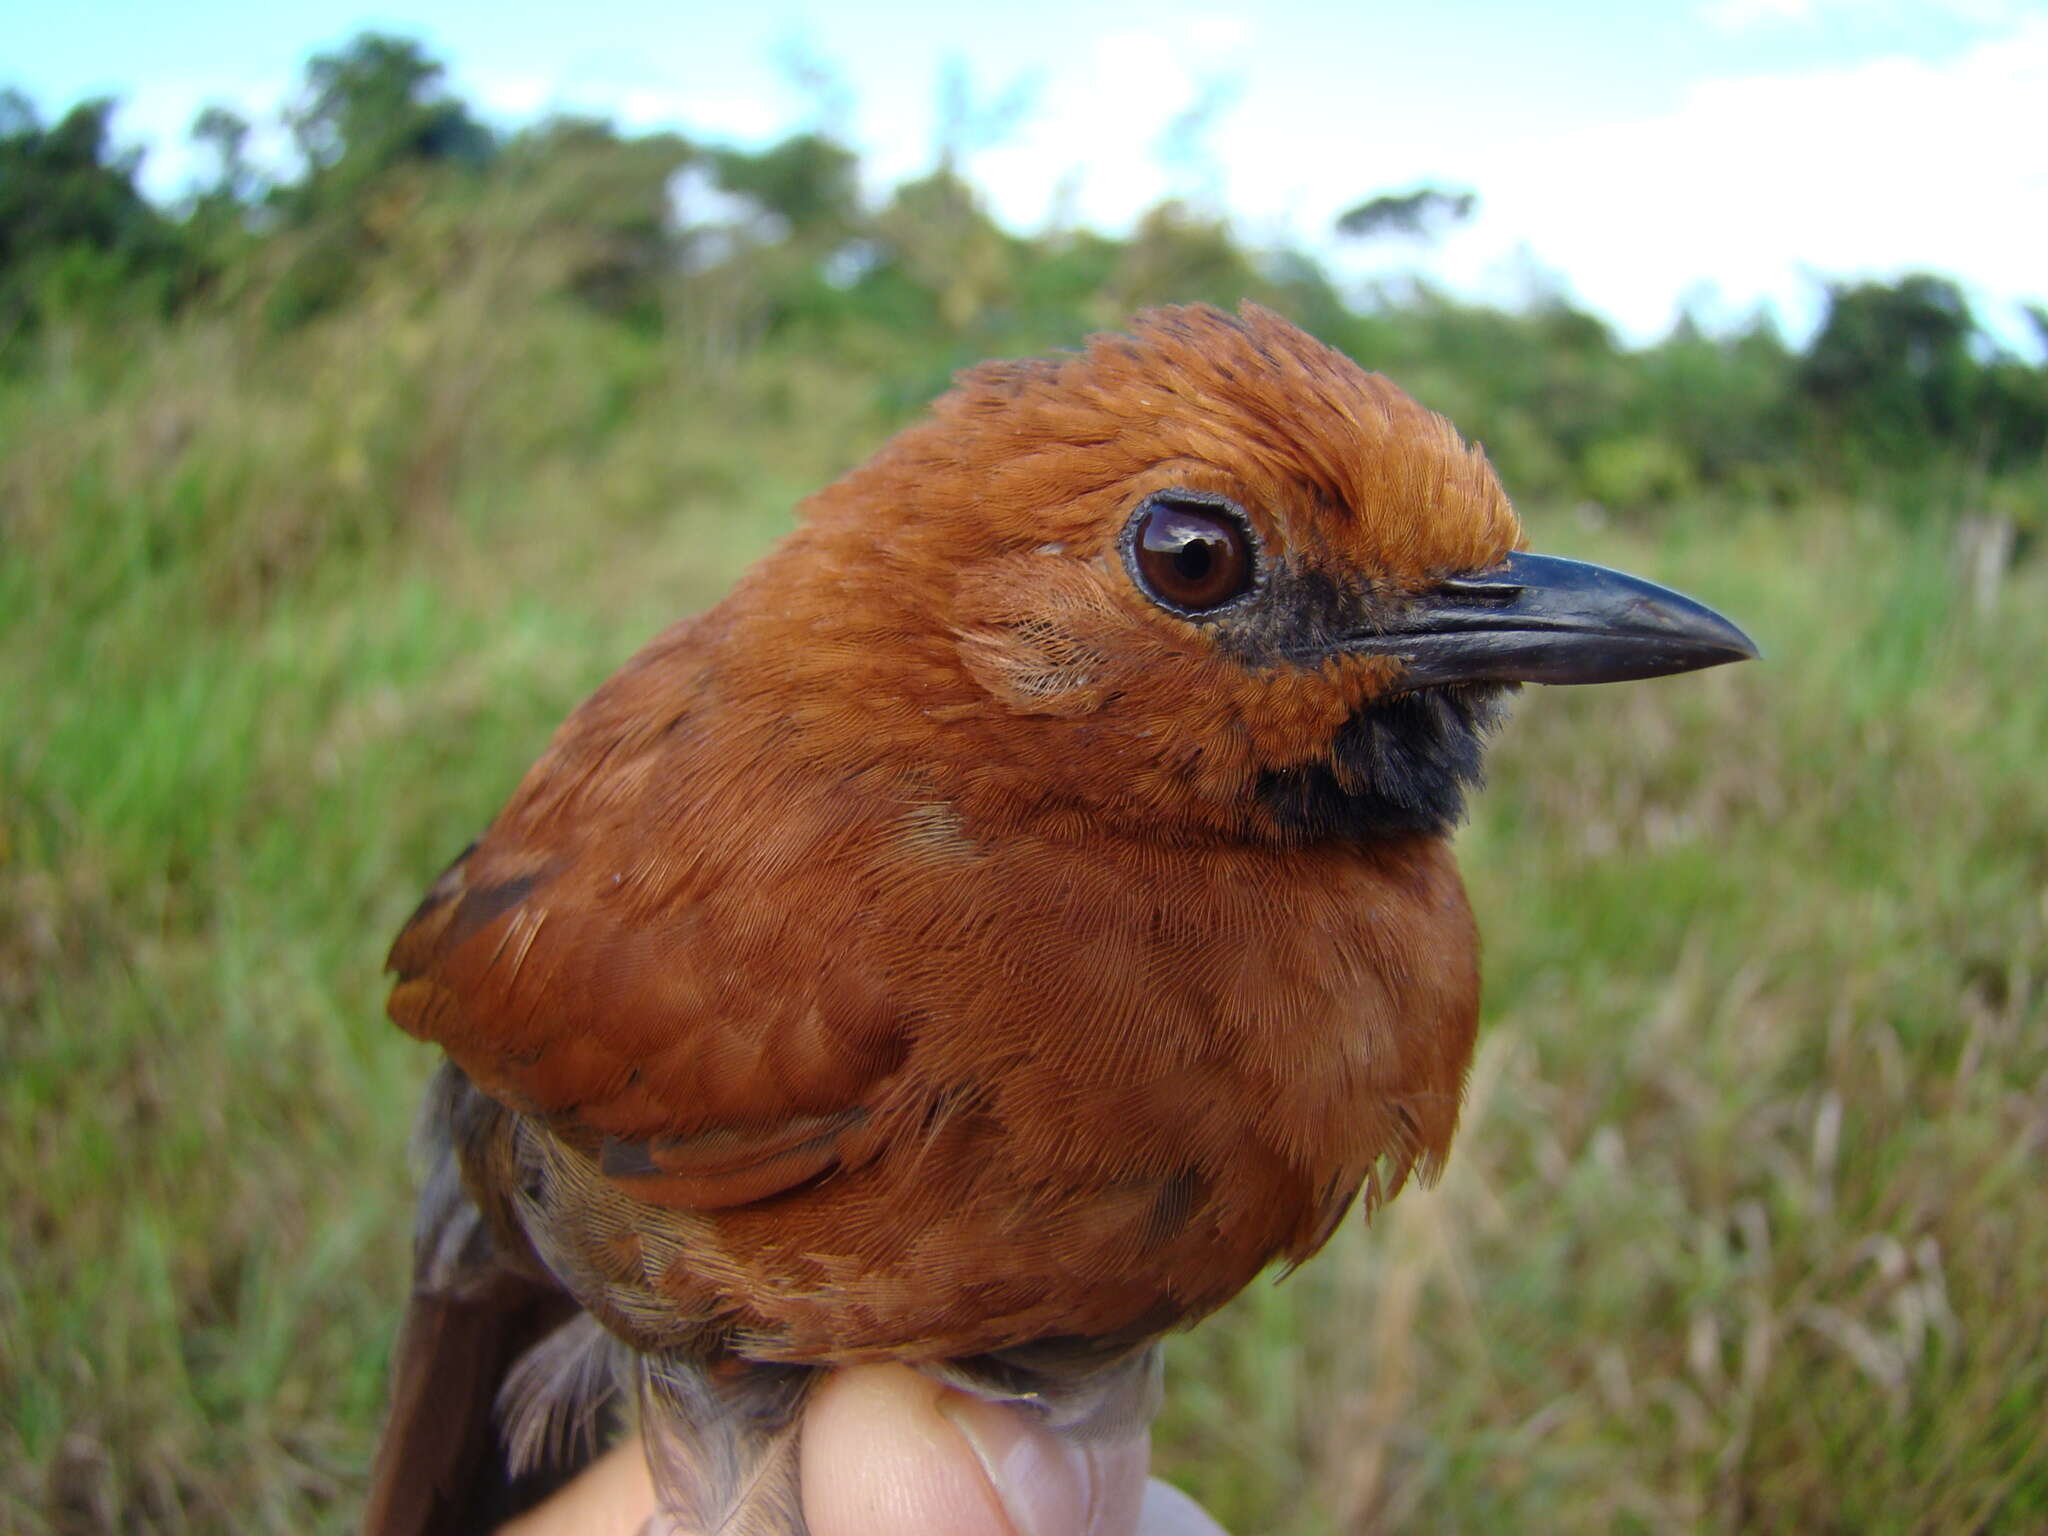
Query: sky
(1715, 157)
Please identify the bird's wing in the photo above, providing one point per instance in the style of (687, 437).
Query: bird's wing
(637, 963)
(663, 977)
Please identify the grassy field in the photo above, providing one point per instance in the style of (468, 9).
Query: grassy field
(1747, 1224)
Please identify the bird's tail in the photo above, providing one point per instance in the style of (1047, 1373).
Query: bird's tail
(500, 1379)
(480, 1320)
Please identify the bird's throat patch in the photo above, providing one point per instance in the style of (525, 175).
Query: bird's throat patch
(1397, 767)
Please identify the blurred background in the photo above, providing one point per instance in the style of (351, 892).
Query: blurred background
(372, 384)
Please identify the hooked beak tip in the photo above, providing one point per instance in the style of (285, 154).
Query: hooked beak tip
(1541, 619)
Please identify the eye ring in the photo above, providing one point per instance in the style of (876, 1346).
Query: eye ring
(1191, 552)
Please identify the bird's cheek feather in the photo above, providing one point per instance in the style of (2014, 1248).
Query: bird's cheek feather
(1031, 631)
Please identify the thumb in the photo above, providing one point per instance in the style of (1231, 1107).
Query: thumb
(889, 1452)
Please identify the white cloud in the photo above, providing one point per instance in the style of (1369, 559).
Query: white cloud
(1091, 144)
(516, 97)
(1755, 15)
(1748, 15)
(1219, 36)
(158, 117)
(1097, 150)
(1759, 183)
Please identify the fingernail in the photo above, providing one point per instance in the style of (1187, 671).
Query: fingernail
(1044, 1485)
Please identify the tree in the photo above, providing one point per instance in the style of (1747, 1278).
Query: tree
(378, 131)
(224, 133)
(936, 234)
(1891, 366)
(1424, 214)
(606, 204)
(807, 181)
(375, 105)
(1176, 254)
(73, 226)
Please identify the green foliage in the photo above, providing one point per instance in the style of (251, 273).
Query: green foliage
(1419, 215)
(379, 139)
(1892, 367)
(808, 182)
(76, 237)
(1176, 256)
(372, 107)
(1899, 377)
(1900, 396)
(937, 240)
(603, 203)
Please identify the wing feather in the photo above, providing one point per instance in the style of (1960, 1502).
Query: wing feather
(646, 975)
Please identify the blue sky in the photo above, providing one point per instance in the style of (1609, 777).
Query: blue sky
(1717, 153)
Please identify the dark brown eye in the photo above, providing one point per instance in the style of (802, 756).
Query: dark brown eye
(1190, 556)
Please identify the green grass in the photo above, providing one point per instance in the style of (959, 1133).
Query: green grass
(1746, 1225)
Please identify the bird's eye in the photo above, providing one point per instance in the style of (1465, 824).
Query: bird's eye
(1189, 555)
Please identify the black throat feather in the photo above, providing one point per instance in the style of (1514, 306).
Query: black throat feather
(1395, 768)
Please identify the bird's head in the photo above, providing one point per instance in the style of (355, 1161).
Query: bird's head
(1211, 572)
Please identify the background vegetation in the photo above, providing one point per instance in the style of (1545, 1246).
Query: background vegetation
(321, 500)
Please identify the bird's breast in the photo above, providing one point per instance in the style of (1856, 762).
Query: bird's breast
(1131, 1076)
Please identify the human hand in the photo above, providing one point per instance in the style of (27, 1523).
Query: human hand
(889, 1452)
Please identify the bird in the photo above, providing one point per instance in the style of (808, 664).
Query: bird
(1017, 915)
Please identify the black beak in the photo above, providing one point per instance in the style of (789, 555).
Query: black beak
(1539, 619)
